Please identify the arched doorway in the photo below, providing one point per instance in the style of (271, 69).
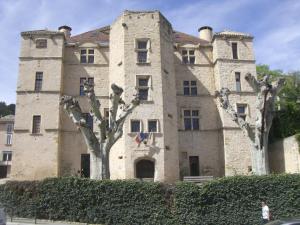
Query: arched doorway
(144, 169)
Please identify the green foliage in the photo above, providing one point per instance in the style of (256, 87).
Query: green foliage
(7, 109)
(227, 201)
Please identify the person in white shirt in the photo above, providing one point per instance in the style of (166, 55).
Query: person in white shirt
(265, 213)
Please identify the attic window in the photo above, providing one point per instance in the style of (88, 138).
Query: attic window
(87, 56)
(188, 56)
(41, 43)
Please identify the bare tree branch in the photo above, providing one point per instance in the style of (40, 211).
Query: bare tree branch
(95, 109)
(225, 104)
(74, 111)
(116, 100)
(252, 82)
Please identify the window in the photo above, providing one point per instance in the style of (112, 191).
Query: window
(9, 133)
(6, 156)
(89, 120)
(87, 55)
(190, 87)
(194, 165)
(242, 110)
(143, 88)
(238, 81)
(188, 56)
(9, 128)
(234, 50)
(106, 117)
(36, 124)
(82, 80)
(38, 81)
(41, 43)
(135, 125)
(142, 51)
(191, 119)
(152, 126)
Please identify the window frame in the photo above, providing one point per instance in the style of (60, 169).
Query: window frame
(38, 83)
(36, 127)
(131, 127)
(191, 117)
(157, 127)
(87, 56)
(238, 84)
(242, 115)
(142, 50)
(234, 52)
(41, 43)
(142, 87)
(188, 56)
(81, 84)
(6, 156)
(187, 85)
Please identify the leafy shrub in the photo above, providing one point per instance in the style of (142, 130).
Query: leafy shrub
(231, 200)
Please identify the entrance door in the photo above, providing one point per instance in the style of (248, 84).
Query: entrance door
(145, 169)
(85, 165)
(194, 165)
(3, 172)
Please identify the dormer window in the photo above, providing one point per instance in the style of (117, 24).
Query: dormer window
(142, 47)
(188, 56)
(41, 43)
(87, 56)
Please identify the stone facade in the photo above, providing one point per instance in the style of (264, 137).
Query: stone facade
(179, 74)
(6, 141)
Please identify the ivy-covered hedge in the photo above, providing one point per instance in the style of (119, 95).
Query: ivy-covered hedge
(226, 201)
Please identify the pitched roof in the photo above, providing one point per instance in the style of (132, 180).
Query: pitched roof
(102, 35)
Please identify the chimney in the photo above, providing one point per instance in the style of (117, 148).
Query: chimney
(66, 30)
(205, 33)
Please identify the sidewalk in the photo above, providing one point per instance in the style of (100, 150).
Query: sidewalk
(25, 221)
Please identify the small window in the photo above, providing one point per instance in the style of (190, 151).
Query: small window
(135, 125)
(9, 139)
(89, 120)
(142, 51)
(38, 81)
(143, 87)
(41, 43)
(36, 124)
(152, 126)
(234, 48)
(87, 56)
(190, 87)
(191, 119)
(82, 80)
(188, 56)
(7, 156)
(9, 128)
(242, 110)
(238, 81)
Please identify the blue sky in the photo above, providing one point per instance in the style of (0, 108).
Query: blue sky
(274, 23)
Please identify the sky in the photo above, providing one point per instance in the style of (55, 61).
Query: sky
(275, 24)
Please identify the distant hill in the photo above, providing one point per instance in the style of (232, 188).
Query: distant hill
(7, 109)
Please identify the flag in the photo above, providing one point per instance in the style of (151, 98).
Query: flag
(141, 137)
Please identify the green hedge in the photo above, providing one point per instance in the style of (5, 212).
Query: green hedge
(231, 200)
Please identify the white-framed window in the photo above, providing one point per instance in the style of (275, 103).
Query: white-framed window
(143, 84)
(190, 87)
(6, 156)
(242, 110)
(9, 139)
(87, 55)
(135, 126)
(41, 43)
(142, 50)
(36, 124)
(234, 49)
(191, 119)
(188, 56)
(38, 81)
(153, 126)
(238, 81)
(81, 87)
(9, 133)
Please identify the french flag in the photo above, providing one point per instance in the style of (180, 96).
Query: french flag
(140, 137)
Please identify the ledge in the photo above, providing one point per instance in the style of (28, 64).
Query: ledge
(234, 60)
(37, 92)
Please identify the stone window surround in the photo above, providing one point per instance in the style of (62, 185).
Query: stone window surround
(41, 43)
(89, 57)
(188, 55)
(130, 125)
(137, 50)
(191, 116)
(192, 85)
(150, 87)
(36, 124)
(38, 84)
(246, 109)
(238, 83)
(237, 50)
(6, 156)
(157, 125)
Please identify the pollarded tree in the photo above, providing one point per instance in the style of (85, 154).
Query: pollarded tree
(265, 106)
(99, 146)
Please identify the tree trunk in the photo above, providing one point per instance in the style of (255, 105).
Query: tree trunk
(95, 166)
(105, 164)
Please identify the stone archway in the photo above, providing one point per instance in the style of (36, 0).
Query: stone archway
(145, 168)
